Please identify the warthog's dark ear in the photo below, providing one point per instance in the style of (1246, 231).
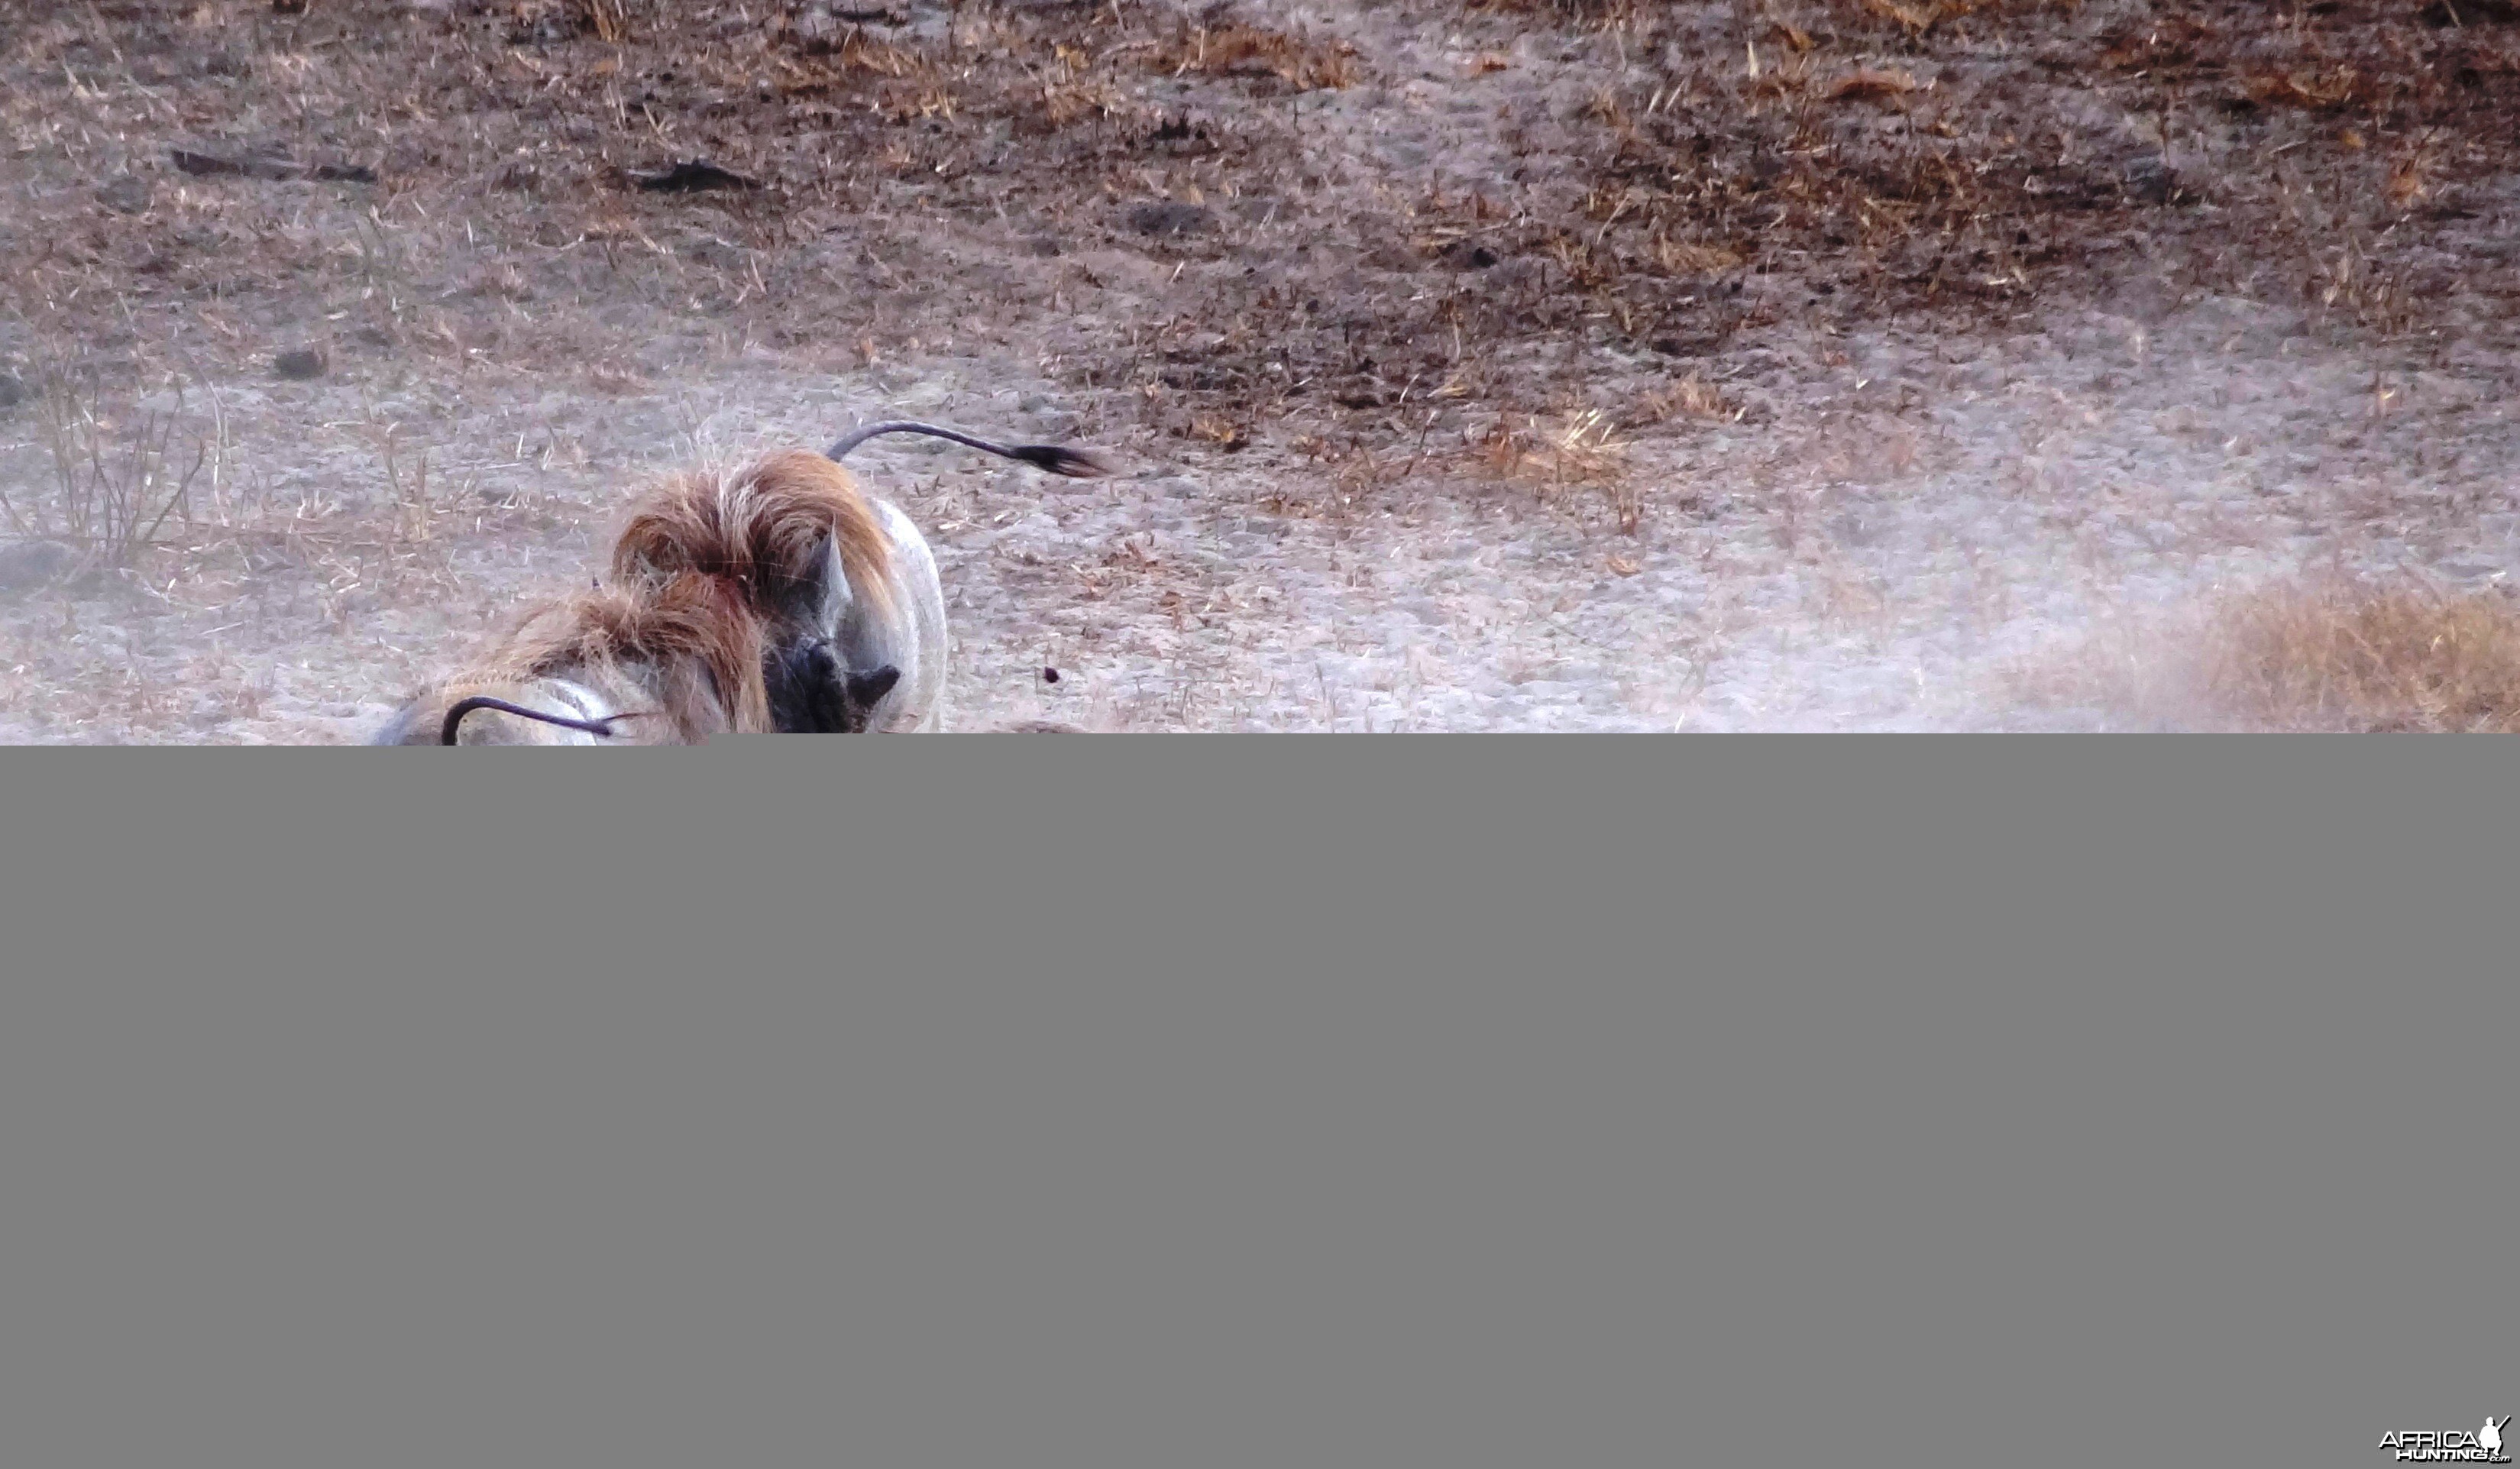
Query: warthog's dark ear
(867, 688)
(802, 600)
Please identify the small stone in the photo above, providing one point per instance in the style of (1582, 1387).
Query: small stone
(301, 364)
(1171, 219)
(27, 563)
(692, 176)
(129, 194)
(2150, 179)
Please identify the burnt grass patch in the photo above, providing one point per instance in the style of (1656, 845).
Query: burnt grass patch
(1662, 181)
(1959, 163)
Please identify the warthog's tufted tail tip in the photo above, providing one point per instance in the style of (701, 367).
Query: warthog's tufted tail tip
(1057, 458)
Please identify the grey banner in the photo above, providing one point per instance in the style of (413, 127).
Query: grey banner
(986, 1102)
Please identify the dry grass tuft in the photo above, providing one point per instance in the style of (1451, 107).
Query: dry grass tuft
(120, 479)
(2330, 652)
(1237, 49)
(1692, 397)
(1223, 432)
(2312, 89)
(1579, 452)
(1922, 16)
(1590, 13)
(1678, 258)
(606, 19)
(2339, 654)
(1865, 83)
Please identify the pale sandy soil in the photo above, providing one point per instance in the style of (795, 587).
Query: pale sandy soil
(1861, 513)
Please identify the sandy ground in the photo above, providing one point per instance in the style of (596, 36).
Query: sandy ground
(1814, 508)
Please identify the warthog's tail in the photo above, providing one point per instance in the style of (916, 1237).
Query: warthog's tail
(1075, 464)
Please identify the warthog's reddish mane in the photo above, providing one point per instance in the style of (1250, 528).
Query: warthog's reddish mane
(710, 572)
